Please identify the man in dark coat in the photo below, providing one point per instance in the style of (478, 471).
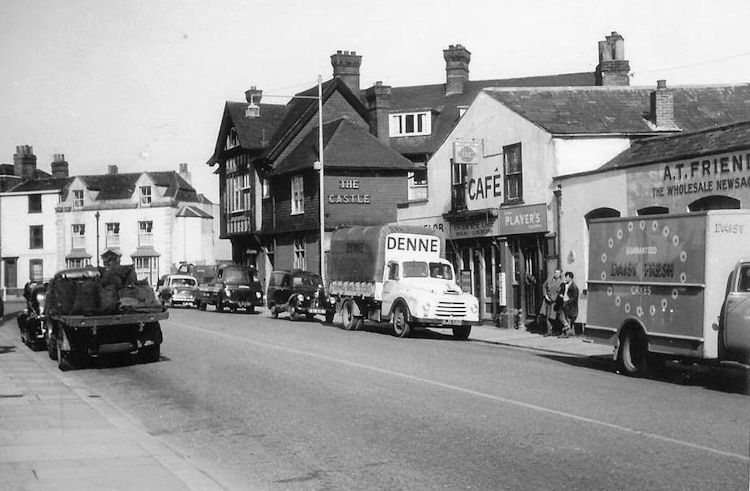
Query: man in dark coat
(548, 312)
(569, 298)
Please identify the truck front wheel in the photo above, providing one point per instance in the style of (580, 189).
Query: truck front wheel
(633, 355)
(401, 326)
(461, 332)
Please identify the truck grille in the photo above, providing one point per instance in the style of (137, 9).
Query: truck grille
(450, 309)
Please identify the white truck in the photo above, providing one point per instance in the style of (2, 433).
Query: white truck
(671, 286)
(397, 274)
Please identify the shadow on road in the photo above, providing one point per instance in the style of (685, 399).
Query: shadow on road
(7, 349)
(720, 378)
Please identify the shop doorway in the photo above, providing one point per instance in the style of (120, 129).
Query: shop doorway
(529, 274)
(484, 264)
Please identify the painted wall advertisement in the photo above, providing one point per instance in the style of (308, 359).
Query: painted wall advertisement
(679, 183)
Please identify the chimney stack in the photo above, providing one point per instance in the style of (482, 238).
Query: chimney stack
(24, 162)
(112, 169)
(613, 68)
(184, 173)
(457, 60)
(378, 101)
(253, 95)
(662, 108)
(346, 67)
(59, 166)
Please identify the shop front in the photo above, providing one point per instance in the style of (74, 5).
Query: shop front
(499, 255)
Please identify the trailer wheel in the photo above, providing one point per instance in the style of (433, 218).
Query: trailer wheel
(633, 355)
(461, 332)
(401, 325)
(349, 321)
(63, 357)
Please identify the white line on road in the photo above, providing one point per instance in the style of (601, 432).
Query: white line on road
(484, 395)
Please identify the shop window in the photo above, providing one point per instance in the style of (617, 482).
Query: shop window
(513, 173)
(715, 203)
(35, 203)
(36, 271)
(78, 236)
(653, 210)
(298, 195)
(36, 237)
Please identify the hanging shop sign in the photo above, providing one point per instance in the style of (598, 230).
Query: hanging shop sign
(528, 219)
(467, 151)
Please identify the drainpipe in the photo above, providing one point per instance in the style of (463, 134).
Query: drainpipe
(558, 214)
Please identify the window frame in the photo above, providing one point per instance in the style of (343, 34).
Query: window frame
(414, 123)
(38, 263)
(32, 236)
(78, 236)
(78, 198)
(35, 209)
(145, 194)
(299, 261)
(297, 188)
(145, 233)
(112, 239)
(511, 177)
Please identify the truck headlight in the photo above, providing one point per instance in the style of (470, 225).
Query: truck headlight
(332, 300)
(257, 295)
(474, 307)
(426, 307)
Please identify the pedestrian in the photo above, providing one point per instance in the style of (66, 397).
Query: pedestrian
(547, 312)
(569, 311)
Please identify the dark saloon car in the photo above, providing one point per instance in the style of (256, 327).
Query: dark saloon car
(299, 293)
(232, 288)
(178, 289)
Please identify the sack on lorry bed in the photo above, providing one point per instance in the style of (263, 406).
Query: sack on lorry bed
(138, 298)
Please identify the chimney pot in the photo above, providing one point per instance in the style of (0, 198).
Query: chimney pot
(346, 67)
(24, 162)
(661, 84)
(457, 60)
(59, 166)
(112, 169)
(613, 68)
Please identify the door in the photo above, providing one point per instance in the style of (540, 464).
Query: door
(737, 317)
(484, 286)
(11, 272)
(390, 287)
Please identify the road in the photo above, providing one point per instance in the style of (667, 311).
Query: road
(259, 403)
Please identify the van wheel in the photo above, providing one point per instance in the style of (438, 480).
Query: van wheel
(291, 310)
(401, 326)
(461, 332)
(633, 355)
(274, 312)
(349, 321)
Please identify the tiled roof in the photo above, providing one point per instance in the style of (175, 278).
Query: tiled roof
(301, 110)
(445, 108)
(624, 110)
(683, 146)
(345, 144)
(122, 186)
(9, 170)
(45, 184)
(192, 212)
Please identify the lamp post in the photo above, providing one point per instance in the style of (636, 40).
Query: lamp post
(253, 111)
(96, 215)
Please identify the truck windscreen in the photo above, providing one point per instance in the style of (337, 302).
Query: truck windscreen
(422, 269)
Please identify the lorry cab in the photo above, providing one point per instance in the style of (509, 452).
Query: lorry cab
(735, 315)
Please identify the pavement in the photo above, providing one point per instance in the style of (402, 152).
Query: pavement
(55, 434)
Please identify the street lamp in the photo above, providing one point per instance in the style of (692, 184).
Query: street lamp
(96, 215)
(253, 111)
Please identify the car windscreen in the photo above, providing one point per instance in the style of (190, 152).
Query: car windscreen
(239, 276)
(307, 281)
(183, 282)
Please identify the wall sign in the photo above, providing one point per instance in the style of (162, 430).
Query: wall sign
(348, 193)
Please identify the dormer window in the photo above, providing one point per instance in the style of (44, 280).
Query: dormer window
(145, 195)
(78, 198)
(410, 124)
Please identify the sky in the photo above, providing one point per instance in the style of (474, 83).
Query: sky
(142, 83)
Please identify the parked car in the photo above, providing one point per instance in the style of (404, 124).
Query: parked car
(299, 293)
(31, 320)
(178, 289)
(232, 287)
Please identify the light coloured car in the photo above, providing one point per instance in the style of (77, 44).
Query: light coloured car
(178, 289)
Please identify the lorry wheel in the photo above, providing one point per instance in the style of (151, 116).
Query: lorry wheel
(633, 356)
(401, 326)
(461, 332)
(349, 321)
(274, 312)
(51, 348)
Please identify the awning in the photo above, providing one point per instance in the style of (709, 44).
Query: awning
(145, 251)
(78, 254)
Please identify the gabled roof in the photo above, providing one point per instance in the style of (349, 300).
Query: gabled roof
(445, 108)
(301, 110)
(253, 134)
(45, 184)
(683, 146)
(622, 109)
(191, 211)
(345, 145)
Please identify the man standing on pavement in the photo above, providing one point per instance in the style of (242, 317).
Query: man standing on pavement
(550, 289)
(569, 311)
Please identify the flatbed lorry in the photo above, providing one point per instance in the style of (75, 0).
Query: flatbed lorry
(91, 312)
(670, 287)
(397, 274)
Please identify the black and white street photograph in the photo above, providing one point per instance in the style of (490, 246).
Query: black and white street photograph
(287, 245)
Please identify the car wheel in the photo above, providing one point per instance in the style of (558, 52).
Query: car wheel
(150, 354)
(291, 310)
(401, 327)
(250, 309)
(273, 311)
